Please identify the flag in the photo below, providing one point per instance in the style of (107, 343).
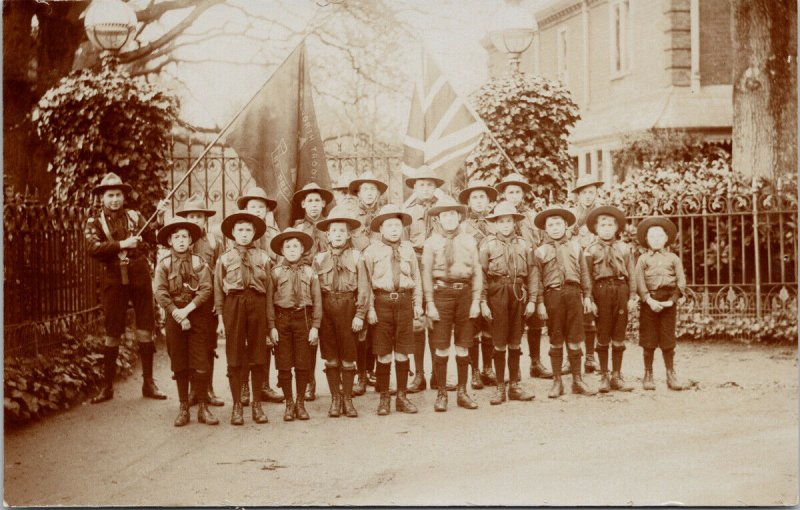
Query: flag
(277, 136)
(442, 129)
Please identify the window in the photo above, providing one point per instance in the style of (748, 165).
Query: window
(587, 163)
(620, 37)
(561, 55)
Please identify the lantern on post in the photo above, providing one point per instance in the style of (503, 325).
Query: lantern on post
(511, 31)
(109, 24)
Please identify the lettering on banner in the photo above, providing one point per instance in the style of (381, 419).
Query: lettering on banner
(280, 165)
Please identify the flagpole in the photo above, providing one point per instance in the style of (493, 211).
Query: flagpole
(221, 133)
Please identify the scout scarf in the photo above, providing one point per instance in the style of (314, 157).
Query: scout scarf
(559, 245)
(295, 270)
(480, 221)
(182, 268)
(613, 258)
(511, 263)
(117, 222)
(247, 263)
(336, 254)
(449, 242)
(395, 246)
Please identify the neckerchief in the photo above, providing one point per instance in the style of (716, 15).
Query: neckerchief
(449, 242)
(368, 211)
(182, 266)
(117, 222)
(480, 221)
(395, 246)
(511, 263)
(611, 256)
(336, 255)
(247, 263)
(295, 269)
(559, 244)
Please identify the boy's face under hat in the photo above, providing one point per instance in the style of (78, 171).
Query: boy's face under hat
(584, 181)
(177, 223)
(339, 214)
(657, 221)
(276, 244)
(386, 212)
(424, 173)
(195, 204)
(367, 177)
(505, 208)
(513, 179)
(554, 210)
(111, 181)
(228, 223)
(477, 185)
(259, 194)
(607, 210)
(312, 187)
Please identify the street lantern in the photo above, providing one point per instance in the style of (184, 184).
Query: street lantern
(511, 31)
(109, 24)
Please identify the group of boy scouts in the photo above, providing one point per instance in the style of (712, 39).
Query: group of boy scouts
(367, 284)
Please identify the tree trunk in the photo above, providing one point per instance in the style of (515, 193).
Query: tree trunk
(765, 87)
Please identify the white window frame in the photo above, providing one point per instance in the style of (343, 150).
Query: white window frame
(625, 37)
(562, 55)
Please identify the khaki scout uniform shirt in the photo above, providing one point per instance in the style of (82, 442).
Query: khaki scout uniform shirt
(170, 289)
(351, 276)
(656, 269)
(285, 280)
(610, 260)
(579, 230)
(511, 258)
(527, 229)
(209, 248)
(420, 228)
(560, 262)
(477, 226)
(232, 273)
(466, 266)
(320, 239)
(378, 261)
(363, 236)
(121, 224)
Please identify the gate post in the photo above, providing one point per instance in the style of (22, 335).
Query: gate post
(756, 244)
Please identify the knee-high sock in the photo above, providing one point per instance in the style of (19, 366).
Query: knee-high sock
(258, 373)
(146, 351)
(556, 360)
(348, 374)
(649, 354)
(401, 369)
(371, 358)
(300, 381)
(361, 356)
(602, 353)
(334, 376)
(500, 366)
(440, 369)
(382, 376)
(313, 369)
(616, 357)
(487, 351)
(591, 334)
(182, 381)
(534, 342)
(669, 358)
(235, 381)
(462, 365)
(474, 355)
(210, 371)
(110, 365)
(266, 370)
(419, 353)
(513, 364)
(575, 362)
(201, 386)
(285, 383)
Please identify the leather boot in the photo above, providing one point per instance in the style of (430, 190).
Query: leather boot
(106, 393)
(463, 399)
(440, 405)
(605, 383)
(300, 409)
(499, 394)
(417, 384)
(579, 387)
(385, 404)
(288, 414)
(590, 366)
(477, 383)
(270, 395)
(647, 381)
(558, 388)
(213, 400)
(360, 387)
(516, 392)
(435, 384)
(673, 382)
(245, 396)
(488, 376)
(403, 405)
(349, 408)
(236, 414)
(109, 372)
(183, 415)
(619, 384)
(204, 415)
(311, 391)
(371, 378)
(565, 368)
(150, 390)
(258, 412)
(336, 405)
(538, 370)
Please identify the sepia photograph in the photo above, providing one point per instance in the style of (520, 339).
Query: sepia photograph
(379, 253)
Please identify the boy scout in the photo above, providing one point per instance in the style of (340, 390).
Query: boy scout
(256, 201)
(312, 200)
(241, 287)
(183, 289)
(478, 196)
(294, 313)
(586, 190)
(452, 284)
(566, 295)
(424, 183)
(508, 269)
(111, 238)
(394, 276)
(209, 247)
(345, 296)
(610, 264)
(661, 284)
(368, 190)
(514, 188)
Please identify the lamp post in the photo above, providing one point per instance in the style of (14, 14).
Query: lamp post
(109, 24)
(511, 31)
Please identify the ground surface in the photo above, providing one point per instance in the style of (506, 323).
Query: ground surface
(733, 440)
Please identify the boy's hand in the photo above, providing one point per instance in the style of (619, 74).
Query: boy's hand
(486, 311)
(186, 325)
(418, 312)
(358, 324)
(180, 314)
(541, 311)
(274, 335)
(432, 312)
(313, 336)
(372, 317)
(588, 305)
(654, 305)
(220, 327)
(530, 309)
(129, 243)
(474, 309)
(666, 304)
(682, 300)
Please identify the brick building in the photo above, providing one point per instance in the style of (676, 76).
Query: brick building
(633, 65)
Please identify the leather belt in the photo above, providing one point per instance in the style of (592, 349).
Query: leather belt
(393, 295)
(455, 285)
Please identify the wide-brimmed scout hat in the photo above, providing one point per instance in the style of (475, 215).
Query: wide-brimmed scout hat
(608, 210)
(447, 203)
(477, 185)
(424, 172)
(554, 210)
(111, 181)
(504, 208)
(339, 214)
(231, 219)
(515, 179)
(177, 223)
(657, 221)
(370, 177)
(276, 244)
(195, 204)
(386, 212)
(312, 187)
(257, 193)
(584, 181)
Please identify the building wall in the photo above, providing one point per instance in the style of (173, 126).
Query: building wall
(716, 47)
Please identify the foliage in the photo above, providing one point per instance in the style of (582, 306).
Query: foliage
(530, 116)
(661, 147)
(107, 122)
(37, 386)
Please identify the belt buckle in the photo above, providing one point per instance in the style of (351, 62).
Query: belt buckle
(458, 286)
(394, 296)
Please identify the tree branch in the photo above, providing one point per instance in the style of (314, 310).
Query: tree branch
(153, 11)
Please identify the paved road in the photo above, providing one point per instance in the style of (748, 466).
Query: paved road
(731, 441)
